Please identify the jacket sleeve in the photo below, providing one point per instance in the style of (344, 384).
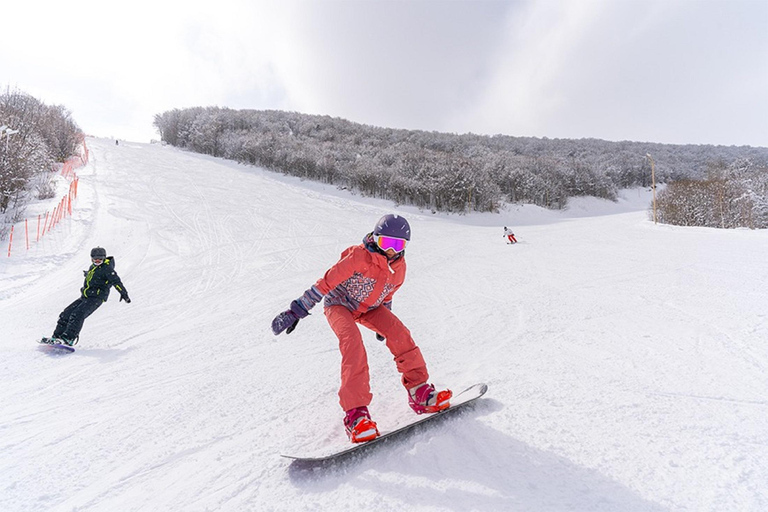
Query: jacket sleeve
(337, 274)
(115, 281)
(352, 260)
(121, 289)
(388, 299)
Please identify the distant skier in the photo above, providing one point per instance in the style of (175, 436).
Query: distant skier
(510, 235)
(99, 278)
(355, 289)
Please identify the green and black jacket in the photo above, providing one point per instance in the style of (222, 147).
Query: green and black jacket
(99, 279)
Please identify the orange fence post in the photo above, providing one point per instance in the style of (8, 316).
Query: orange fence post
(61, 210)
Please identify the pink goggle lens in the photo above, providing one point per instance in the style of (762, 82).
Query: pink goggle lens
(390, 242)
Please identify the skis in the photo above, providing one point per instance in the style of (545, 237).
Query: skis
(458, 401)
(52, 344)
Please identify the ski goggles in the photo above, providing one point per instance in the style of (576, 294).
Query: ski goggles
(100, 260)
(390, 242)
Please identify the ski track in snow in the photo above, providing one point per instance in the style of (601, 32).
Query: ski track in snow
(626, 362)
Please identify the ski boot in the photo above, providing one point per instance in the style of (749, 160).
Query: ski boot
(424, 399)
(360, 427)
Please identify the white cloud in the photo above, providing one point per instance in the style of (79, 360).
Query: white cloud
(526, 87)
(660, 70)
(676, 72)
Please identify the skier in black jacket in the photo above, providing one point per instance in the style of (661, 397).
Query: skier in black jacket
(99, 278)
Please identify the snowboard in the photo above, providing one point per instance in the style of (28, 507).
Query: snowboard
(458, 401)
(49, 343)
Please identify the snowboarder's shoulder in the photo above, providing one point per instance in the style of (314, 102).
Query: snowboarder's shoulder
(356, 251)
(354, 256)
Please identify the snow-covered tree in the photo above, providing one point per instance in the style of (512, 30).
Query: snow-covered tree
(438, 171)
(41, 135)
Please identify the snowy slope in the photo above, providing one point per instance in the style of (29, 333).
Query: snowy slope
(627, 362)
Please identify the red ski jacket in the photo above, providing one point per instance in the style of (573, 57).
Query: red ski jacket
(362, 279)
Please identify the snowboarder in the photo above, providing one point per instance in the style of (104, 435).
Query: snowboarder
(510, 235)
(359, 289)
(99, 278)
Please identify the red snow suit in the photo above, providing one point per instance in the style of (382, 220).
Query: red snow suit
(355, 288)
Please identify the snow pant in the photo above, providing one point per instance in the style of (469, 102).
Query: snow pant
(72, 318)
(512, 239)
(355, 388)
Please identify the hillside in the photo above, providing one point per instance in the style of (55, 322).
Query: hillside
(626, 361)
(441, 172)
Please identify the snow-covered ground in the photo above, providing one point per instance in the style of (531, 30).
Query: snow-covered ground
(627, 362)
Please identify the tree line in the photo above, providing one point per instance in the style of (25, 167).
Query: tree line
(34, 138)
(729, 196)
(438, 171)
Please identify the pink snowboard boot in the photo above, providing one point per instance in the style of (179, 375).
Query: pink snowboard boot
(360, 427)
(424, 399)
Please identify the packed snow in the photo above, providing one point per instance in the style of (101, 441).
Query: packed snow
(627, 362)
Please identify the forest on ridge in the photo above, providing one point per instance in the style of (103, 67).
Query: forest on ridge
(442, 172)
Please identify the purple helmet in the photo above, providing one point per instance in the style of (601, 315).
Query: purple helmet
(393, 225)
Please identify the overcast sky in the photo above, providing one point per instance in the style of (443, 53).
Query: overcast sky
(670, 71)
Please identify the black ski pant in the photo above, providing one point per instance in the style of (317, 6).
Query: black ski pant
(72, 318)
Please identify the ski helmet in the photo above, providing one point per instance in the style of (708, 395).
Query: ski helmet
(393, 225)
(98, 253)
